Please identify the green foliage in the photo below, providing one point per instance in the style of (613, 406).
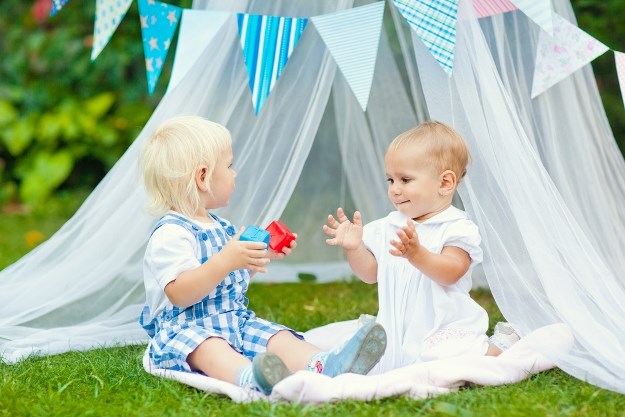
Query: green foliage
(603, 20)
(112, 382)
(64, 120)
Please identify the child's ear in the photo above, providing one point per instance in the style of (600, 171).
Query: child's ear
(200, 177)
(448, 182)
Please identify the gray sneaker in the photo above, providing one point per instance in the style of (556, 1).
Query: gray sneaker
(268, 370)
(504, 336)
(360, 353)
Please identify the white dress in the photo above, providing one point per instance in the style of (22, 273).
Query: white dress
(425, 320)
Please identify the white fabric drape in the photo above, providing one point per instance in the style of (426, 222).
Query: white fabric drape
(543, 185)
(540, 264)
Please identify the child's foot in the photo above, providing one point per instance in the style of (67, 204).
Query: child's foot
(268, 370)
(504, 336)
(360, 354)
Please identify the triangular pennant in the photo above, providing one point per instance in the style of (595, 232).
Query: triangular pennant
(539, 11)
(353, 36)
(267, 43)
(57, 5)
(197, 30)
(567, 51)
(108, 15)
(435, 23)
(619, 57)
(158, 24)
(485, 8)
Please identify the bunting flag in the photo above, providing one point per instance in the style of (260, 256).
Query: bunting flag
(108, 15)
(267, 43)
(539, 11)
(352, 37)
(197, 30)
(57, 5)
(568, 50)
(435, 23)
(619, 57)
(158, 24)
(485, 8)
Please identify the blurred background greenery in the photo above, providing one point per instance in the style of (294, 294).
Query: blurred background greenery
(64, 120)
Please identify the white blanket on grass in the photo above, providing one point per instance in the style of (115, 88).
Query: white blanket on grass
(534, 353)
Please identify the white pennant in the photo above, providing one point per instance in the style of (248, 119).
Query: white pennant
(108, 15)
(557, 57)
(352, 37)
(619, 57)
(197, 30)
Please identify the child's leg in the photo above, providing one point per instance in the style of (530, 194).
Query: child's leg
(359, 354)
(217, 359)
(493, 350)
(295, 352)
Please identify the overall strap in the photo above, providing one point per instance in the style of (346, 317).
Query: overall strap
(172, 218)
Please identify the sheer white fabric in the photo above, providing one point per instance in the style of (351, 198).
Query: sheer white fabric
(545, 184)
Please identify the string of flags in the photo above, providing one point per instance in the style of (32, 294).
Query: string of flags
(351, 36)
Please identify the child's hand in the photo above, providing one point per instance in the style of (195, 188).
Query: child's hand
(245, 254)
(285, 250)
(408, 244)
(344, 233)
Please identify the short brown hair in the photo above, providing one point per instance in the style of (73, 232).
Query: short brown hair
(443, 144)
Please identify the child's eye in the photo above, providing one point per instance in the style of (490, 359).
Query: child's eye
(405, 180)
(389, 180)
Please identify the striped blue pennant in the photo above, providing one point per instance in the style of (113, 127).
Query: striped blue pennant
(267, 43)
(352, 37)
(435, 23)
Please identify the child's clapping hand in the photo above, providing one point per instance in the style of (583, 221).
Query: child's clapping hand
(408, 244)
(342, 232)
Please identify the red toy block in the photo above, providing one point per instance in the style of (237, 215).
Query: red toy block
(281, 236)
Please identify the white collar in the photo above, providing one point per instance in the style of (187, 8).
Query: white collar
(451, 213)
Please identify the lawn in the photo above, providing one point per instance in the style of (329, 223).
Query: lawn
(112, 382)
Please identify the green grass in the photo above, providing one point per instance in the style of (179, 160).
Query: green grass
(112, 382)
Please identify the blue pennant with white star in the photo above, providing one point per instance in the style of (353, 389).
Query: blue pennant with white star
(158, 25)
(57, 5)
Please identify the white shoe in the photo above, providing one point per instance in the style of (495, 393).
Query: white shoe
(504, 336)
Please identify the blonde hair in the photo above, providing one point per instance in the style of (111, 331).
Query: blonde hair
(445, 148)
(169, 159)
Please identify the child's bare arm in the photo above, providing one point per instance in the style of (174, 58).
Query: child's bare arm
(193, 285)
(445, 268)
(348, 235)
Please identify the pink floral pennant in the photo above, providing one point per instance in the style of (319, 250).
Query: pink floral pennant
(557, 57)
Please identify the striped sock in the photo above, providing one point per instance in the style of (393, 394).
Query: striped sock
(245, 377)
(317, 362)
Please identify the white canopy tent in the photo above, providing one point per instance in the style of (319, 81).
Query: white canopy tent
(550, 229)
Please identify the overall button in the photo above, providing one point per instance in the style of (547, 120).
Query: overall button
(230, 230)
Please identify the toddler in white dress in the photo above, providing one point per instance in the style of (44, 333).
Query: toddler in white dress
(422, 255)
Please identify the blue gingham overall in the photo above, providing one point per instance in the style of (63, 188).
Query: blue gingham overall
(176, 332)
